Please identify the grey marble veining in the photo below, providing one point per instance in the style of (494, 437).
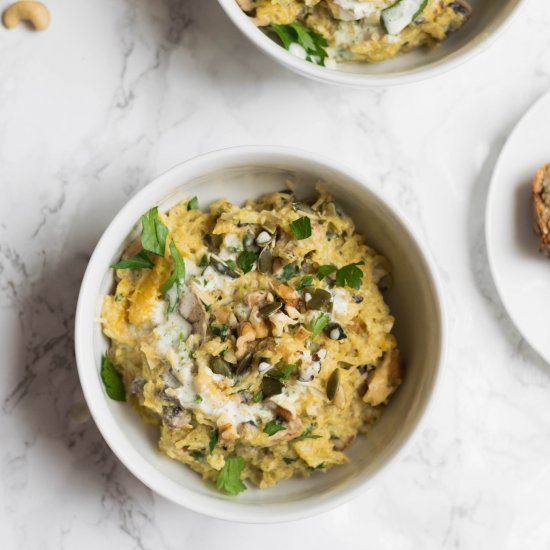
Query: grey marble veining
(113, 94)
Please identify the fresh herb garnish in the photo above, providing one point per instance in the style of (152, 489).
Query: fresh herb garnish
(153, 233)
(220, 330)
(230, 263)
(289, 460)
(350, 275)
(119, 297)
(197, 455)
(313, 43)
(112, 380)
(288, 271)
(177, 277)
(257, 397)
(206, 306)
(193, 204)
(229, 477)
(301, 228)
(282, 372)
(304, 282)
(140, 260)
(320, 466)
(318, 324)
(204, 261)
(324, 270)
(197, 398)
(272, 427)
(246, 260)
(306, 434)
(213, 440)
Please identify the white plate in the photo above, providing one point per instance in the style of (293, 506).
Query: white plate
(520, 272)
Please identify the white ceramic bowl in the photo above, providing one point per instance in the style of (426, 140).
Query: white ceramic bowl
(247, 172)
(489, 19)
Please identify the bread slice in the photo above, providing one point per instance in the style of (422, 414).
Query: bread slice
(541, 207)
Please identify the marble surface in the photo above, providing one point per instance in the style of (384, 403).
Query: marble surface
(117, 92)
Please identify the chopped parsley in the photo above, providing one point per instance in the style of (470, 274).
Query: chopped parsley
(140, 260)
(204, 261)
(193, 204)
(304, 282)
(324, 270)
(197, 398)
(220, 330)
(246, 260)
(289, 271)
(112, 380)
(272, 427)
(350, 275)
(213, 440)
(230, 263)
(197, 455)
(177, 278)
(301, 228)
(153, 233)
(282, 372)
(258, 396)
(153, 239)
(318, 324)
(229, 477)
(119, 298)
(313, 43)
(306, 434)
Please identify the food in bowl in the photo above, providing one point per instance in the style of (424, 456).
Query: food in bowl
(256, 338)
(541, 207)
(329, 31)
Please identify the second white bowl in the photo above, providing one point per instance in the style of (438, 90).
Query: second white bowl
(489, 19)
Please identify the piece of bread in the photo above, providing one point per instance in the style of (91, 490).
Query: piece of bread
(541, 207)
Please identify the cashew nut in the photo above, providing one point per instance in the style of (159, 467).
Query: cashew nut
(35, 13)
(246, 334)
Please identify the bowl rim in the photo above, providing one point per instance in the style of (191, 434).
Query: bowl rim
(322, 74)
(106, 423)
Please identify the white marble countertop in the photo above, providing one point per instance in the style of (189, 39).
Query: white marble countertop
(115, 93)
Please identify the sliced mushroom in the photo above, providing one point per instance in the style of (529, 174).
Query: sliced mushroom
(386, 378)
(192, 309)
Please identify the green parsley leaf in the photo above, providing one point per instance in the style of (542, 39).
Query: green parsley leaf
(282, 372)
(313, 43)
(246, 260)
(229, 477)
(220, 330)
(230, 263)
(272, 427)
(350, 275)
(119, 298)
(177, 277)
(258, 396)
(193, 204)
(289, 271)
(153, 233)
(324, 270)
(197, 455)
(114, 386)
(304, 282)
(301, 228)
(197, 398)
(320, 466)
(318, 324)
(213, 440)
(204, 261)
(306, 434)
(140, 260)
(289, 460)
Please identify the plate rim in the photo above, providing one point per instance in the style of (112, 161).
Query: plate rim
(545, 97)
